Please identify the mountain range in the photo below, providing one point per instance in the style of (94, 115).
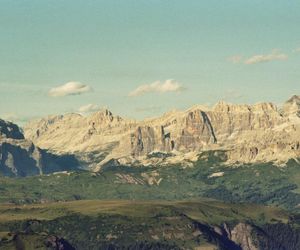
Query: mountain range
(154, 184)
(256, 133)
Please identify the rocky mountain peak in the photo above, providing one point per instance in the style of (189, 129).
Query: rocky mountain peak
(103, 118)
(10, 130)
(294, 98)
(264, 107)
(292, 106)
(235, 108)
(223, 106)
(248, 133)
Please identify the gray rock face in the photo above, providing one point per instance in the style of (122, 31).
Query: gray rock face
(242, 235)
(292, 106)
(20, 157)
(228, 118)
(10, 130)
(197, 130)
(142, 141)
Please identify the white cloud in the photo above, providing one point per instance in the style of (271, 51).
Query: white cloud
(275, 55)
(235, 59)
(88, 108)
(157, 87)
(70, 88)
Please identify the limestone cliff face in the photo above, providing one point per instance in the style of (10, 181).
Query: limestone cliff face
(249, 133)
(229, 119)
(189, 132)
(197, 131)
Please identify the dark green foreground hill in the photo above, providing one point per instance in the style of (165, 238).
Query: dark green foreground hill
(166, 207)
(265, 184)
(120, 224)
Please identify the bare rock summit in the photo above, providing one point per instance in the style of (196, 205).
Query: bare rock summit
(255, 133)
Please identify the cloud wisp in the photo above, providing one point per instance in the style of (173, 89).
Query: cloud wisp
(157, 87)
(69, 88)
(88, 108)
(274, 56)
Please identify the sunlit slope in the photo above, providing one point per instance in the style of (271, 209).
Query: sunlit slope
(118, 224)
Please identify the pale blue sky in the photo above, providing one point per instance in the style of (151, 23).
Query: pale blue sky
(115, 46)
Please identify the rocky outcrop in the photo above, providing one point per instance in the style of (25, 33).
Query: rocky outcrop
(292, 106)
(145, 140)
(142, 141)
(242, 235)
(197, 131)
(10, 130)
(245, 236)
(20, 158)
(248, 133)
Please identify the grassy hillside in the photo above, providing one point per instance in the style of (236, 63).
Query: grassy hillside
(206, 210)
(166, 207)
(155, 225)
(209, 177)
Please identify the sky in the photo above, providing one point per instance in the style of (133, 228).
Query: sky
(141, 58)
